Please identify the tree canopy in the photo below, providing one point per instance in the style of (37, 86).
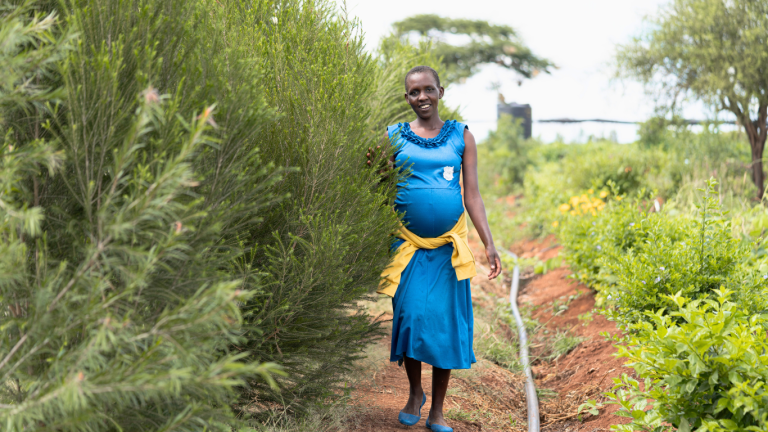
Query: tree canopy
(712, 50)
(488, 43)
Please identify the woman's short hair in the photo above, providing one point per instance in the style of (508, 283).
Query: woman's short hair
(420, 69)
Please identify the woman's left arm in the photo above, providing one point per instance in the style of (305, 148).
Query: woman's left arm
(473, 202)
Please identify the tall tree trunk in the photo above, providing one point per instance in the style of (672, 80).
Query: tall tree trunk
(757, 131)
(758, 176)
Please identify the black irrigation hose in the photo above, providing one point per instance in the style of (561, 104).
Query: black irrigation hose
(530, 389)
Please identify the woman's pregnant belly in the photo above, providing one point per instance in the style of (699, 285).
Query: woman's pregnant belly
(428, 212)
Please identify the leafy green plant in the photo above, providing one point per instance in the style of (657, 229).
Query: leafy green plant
(613, 231)
(544, 267)
(591, 406)
(703, 366)
(679, 254)
(560, 305)
(586, 318)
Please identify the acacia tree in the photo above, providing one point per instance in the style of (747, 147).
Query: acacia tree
(715, 51)
(488, 43)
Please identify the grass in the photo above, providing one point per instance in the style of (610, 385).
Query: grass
(341, 416)
(498, 349)
(495, 332)
(561, 343)
(545, 393)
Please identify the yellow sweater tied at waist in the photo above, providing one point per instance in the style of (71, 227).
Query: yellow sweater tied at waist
(463, 260)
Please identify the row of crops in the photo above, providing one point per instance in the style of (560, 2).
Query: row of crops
(691, 300)
(676, 257)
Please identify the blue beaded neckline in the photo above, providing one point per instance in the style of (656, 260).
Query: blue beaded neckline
(407, 133)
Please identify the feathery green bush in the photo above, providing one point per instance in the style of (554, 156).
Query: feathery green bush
(118, 293)
(323, 249)
(185, 204)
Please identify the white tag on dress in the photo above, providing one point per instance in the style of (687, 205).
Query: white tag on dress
(448, 173)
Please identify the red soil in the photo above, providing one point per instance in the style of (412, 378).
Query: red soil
(588, 370)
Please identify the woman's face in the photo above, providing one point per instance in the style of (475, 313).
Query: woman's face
(423, 94)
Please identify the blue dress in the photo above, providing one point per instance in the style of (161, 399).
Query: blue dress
(432, 319)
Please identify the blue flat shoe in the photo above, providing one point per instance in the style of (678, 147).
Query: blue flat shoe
(410, 419)
(438, 428)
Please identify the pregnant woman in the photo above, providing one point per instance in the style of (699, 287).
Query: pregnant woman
(429, 277)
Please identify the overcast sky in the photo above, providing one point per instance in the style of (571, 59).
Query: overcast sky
(579, 36)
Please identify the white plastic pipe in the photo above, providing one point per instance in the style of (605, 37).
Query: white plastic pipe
(531, 398)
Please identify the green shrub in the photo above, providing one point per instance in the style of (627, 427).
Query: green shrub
(587, 239)
(602, 163)
(146, 168)
(637, 257)
(692, 256)
(559, 171)
(577, 167)
(675, 166)
(323, 249)
(117, 281)
(704, 367)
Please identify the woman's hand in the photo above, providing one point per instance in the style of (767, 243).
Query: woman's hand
(494, 261)
(373, 155)
(377, 158)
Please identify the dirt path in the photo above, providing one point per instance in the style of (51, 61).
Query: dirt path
(491, 398)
